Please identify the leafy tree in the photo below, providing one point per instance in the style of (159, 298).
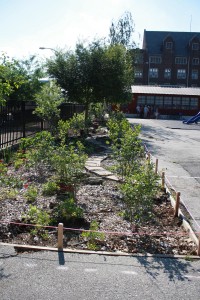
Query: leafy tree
(94, 74)
(19, 80)
(121, 32)
(30, 72)
(48, 101)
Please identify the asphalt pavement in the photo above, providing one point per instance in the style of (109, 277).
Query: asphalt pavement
(66, 276)
(177, 147)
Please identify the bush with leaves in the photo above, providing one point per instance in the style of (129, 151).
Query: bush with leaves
(126, 146)
(93, 236)
(69, 162)
(66, 210)
(38, 217)
(138, 192)
(39, 150)
(48, 101)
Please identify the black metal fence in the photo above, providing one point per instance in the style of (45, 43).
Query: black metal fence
(18, 121)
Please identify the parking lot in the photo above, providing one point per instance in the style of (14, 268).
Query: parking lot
(177, 147)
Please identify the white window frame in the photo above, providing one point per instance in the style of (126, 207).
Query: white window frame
(155, 59)
(195, 46)
(181, 74)
(180, 60)
(195, 61)
(167, 73)
(153, 72)
(194, 74)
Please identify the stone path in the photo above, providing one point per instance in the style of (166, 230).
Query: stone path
(93, 165)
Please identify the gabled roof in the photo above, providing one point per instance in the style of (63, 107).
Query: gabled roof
(159, 90)
(153, 41)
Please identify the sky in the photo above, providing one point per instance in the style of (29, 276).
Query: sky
(26, 25)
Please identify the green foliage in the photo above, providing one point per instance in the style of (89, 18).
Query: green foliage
(19, 80)
(39, 150)
(138, 192)
(94, 73)
(121, 32)
(126, 145)
(48, 101)
(69, 162)
(40, 218)
(93, 236)
(49, 188)
(63, 130)
(66, 210)
(31, 193)
(7, 154)
(19, 158)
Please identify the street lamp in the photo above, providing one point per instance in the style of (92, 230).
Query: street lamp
(44, 48)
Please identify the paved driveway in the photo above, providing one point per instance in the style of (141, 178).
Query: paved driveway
(177, 147)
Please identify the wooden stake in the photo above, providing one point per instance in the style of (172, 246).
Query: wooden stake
(163, 180)
(177, 204)
(60, 236)
(156, 167)
(198, 250)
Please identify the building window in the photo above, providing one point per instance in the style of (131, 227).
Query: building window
(138, 73)
(194, 103)
(181, 74)
(195, 46)
(169, 45)
(176, 102)
(141, 100)
(153, 73)
(159, 101)
(181, 60)
(167, 73)
(155, 59)
(168, 102)
(150, 100)
(139, 58)
(185, 103)
(195, 61)
(194, 74)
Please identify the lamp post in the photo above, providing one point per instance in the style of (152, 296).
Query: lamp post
(46, 48)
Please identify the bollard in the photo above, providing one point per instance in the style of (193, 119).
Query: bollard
(163, 180)
(156, 167)
(60, 236)
(177, 204)
(149, 157)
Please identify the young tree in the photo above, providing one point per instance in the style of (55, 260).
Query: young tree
(48, 101)
(121, 32)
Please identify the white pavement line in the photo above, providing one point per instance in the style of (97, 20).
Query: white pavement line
(31, 265)
(129, 272)
(192, 276)
(64, 268)
(90, 270)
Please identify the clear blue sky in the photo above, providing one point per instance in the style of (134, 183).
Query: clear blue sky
(26, 25)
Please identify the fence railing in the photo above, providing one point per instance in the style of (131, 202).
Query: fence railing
(18, 121)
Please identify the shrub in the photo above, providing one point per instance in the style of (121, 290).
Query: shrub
(93, 236)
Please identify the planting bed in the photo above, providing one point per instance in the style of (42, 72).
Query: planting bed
(101, 201)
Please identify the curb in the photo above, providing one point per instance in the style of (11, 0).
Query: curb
(67, 250)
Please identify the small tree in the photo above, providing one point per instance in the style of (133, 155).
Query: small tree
(48, 101)
(138, 192)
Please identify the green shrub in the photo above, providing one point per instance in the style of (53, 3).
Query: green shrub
(66, 210)
(49, 188)
(93, 236)
(31, 193)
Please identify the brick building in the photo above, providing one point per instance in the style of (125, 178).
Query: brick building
(169, 59)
